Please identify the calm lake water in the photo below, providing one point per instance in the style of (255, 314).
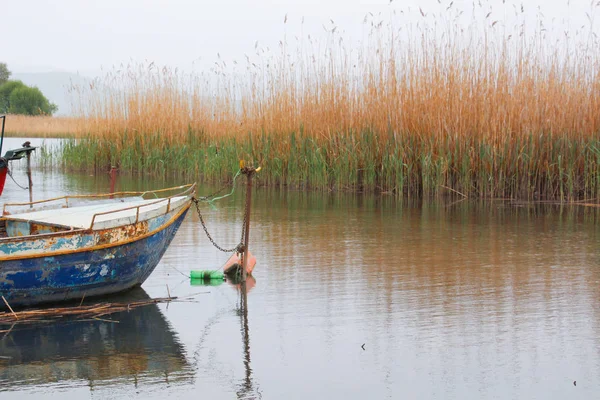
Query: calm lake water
(451, 301)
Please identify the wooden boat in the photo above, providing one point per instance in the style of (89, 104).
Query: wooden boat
(75, 246)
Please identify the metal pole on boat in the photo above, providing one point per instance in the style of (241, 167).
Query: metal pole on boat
(29, 177)
(2, 137)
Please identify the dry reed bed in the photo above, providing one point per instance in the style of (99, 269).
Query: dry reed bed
(485, 110)
(42, 126)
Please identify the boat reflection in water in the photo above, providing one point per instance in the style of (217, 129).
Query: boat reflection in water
(140, 348)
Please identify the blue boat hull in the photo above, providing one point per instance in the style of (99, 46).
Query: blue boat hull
(74, 275)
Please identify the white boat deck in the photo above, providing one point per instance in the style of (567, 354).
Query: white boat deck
(80, 217)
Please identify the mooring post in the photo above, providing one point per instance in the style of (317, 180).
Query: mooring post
(248, 171)
(29, 177)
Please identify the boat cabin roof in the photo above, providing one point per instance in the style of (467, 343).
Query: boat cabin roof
(107, 215)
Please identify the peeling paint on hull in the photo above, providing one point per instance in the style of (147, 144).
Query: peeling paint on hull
(100, 271)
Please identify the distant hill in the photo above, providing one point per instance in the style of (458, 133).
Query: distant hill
(54, 85)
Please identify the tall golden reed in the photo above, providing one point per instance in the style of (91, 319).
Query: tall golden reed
(42, 126)
(483, 83)
(436, 86)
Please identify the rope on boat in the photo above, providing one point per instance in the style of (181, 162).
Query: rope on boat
(186, 275)
(13, 179)
(210, 199)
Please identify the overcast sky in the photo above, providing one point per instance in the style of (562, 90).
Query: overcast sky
(84, 35)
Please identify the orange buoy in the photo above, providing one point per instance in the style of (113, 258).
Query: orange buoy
(234, 264)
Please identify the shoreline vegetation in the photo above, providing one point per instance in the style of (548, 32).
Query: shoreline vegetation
(490, 110)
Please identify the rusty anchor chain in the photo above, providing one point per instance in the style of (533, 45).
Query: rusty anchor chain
(224, 250)
(239, 248)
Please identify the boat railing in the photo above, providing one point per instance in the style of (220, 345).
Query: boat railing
(189, 188)
(186, 193)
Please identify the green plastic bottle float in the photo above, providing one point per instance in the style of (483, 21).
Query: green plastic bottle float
(207, 275)
(231, 268)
